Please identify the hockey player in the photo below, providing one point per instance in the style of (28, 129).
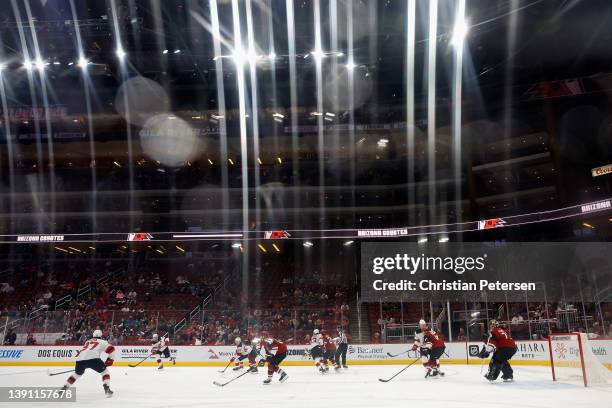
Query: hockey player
(342, 348)
(503, 348)
(89, 357)
(244, 350)
(330, 349)
(317, 351)
(275, 351)
(431, 346)
(161, 349)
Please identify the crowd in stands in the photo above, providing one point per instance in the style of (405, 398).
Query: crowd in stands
(532, 321)
(290, 305)
(287, 302)
(127, 309)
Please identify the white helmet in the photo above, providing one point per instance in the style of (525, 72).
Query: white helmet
(155, 336)
(422, 322)
(255, 341)
(315, 331)
(237, 340)
(97, 334)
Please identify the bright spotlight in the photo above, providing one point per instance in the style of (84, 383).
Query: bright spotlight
(120, 53)
(318, 55)
(347, 243)
(83, 62)
(422, 240)
(459, 33)
(164, 51)
(177, 51)
(443, 239)
(308, 244)
(27, 64)
(236, 245)
(39, 64)
(239, 57)
(350, 65)
(271, 56)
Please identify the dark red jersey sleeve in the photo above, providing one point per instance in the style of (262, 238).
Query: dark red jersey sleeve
(500, 338)
(436, 339)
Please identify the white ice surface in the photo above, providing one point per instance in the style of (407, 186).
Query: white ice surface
(358, 386)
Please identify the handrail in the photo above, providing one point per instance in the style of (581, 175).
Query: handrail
(208, 299)
(34, 314)
(62, 301)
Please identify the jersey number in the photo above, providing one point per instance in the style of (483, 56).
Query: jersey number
(93, 345)
(503, 333)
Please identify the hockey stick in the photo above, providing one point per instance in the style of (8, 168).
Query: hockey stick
(61, 372)
(146, 358)
(228, 364)
(233, 379)
(140, 362)
(397, 355)
(482, 361)
(399, 372)
(25, 372)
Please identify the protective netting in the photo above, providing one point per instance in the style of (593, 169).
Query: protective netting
(573, 359)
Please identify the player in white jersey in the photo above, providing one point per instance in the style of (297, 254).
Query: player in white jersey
(317, 352)
(90, 357)
(160, 347)
(244, 350)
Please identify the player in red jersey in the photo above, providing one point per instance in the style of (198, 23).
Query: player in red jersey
(275, 351)
(330, 351)
(503, 348)
(431, 346)
(89, 357)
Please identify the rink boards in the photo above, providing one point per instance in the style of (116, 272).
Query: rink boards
(529, 353)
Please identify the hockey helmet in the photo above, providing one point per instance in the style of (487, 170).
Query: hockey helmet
(315, 331)
(237, 340)
(97, 334)
(155, 336)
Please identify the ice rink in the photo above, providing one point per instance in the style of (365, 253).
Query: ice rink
(358, 386)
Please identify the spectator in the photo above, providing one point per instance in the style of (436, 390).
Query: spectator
(461, 335)
(7, 288)
(30, 340)
(10, 338)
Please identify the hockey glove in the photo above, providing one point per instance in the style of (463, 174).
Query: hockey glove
(109, 362)
(484, 353)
